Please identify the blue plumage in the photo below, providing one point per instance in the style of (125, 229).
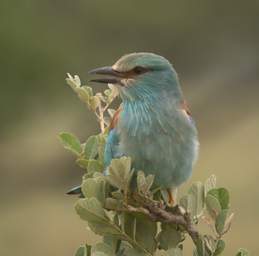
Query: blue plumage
(111, 148)
(153, 125)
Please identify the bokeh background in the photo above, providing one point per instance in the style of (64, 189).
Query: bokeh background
(214, 47)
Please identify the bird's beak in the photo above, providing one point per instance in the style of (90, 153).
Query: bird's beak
(114, 76)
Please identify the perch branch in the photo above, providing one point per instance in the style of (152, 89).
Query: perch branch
(159, 213)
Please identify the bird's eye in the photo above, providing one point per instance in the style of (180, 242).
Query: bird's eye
(140, 70)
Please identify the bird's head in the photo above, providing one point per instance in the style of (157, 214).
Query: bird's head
(139, 75)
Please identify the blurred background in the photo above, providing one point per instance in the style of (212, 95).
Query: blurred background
(214, 47)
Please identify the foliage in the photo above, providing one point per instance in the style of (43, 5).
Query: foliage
(136, 219)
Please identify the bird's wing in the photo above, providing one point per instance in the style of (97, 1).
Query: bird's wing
(112, 143)
(110, 151)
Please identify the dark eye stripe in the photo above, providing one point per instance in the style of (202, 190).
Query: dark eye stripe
(138, 70)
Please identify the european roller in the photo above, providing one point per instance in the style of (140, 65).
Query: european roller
(153, 125)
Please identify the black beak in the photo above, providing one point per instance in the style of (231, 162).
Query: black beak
(109, 71)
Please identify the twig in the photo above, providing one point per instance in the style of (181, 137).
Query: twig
(101, 118)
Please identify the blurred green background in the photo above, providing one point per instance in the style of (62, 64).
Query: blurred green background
(214, 47)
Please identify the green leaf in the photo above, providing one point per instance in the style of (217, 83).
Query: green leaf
(90, 209)
(113, 242)
(94, 102)
(83, 95)
(222, 195)
(88, 89)
(200, 247)
(145, 232)
(84, 250)
(103, 229)
(83, 163)
(102, 249)
(144, 183)
(94, 166)
(184, 202)
(70, 142)
(212, 205)
(95, 187)
(220, 248)
(117, 195)
(196, 199)
(220, 221)
(91, 166)
(112, 204)
(81, 251)
(129, 224)
(141, 230)
(91, 147)
(73, 82)
(210, 183)
(169, 237)
(101, 146)
(242, 252)
(141, 180)
(120, 173)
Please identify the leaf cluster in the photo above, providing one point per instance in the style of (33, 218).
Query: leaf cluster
(99, 103)
(130, 213)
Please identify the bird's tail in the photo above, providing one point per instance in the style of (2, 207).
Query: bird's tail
(75, 191)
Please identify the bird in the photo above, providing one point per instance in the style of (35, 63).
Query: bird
(153, 125)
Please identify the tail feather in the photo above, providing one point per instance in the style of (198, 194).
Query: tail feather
(75, 191)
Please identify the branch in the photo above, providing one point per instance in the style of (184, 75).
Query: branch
(158, 213)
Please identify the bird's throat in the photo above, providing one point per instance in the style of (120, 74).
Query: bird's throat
(145, 116)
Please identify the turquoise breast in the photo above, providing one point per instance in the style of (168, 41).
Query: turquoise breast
(160, 139)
